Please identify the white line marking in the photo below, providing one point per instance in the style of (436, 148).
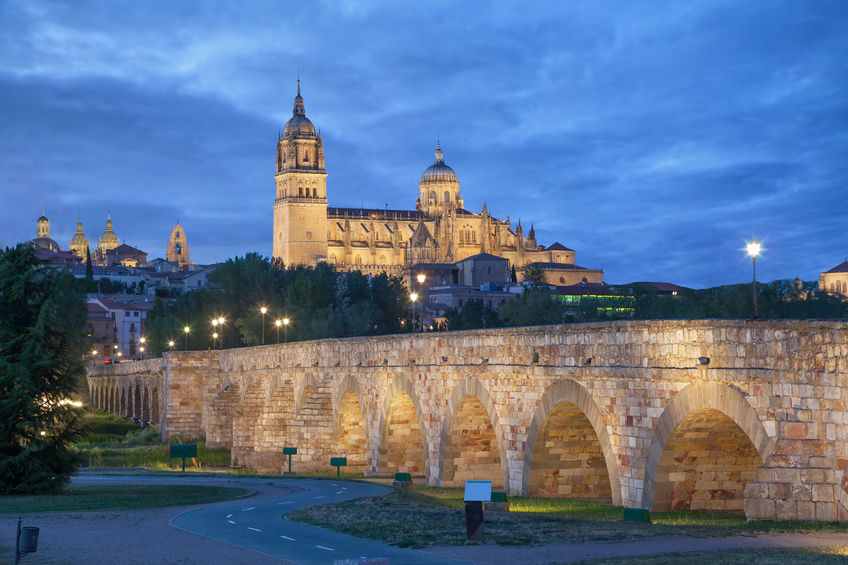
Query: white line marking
(334, 484)
(287, 502)
(254, 529)
(327, 548)
(288, 538)
(230, 521)
(229, 515)
(341, 491)
(317, 497)
(246, 509)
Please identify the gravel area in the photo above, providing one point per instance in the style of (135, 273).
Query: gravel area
(129, 537)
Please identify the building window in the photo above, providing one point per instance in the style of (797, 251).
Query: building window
(177, 235)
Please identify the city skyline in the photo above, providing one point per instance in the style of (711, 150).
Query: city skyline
(655, 143)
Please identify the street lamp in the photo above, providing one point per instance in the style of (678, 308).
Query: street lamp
(753, 248)
(278, 323)
(171, 344)
(286, 328)
(263, 310)
(142, 340)
(413, 297)
(185, 342)
(421, 278)
(214, 338)
(221, 323)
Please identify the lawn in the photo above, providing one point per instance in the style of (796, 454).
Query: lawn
(111, 497)
(431, 516)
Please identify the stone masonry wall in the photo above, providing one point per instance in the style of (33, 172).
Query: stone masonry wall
(782, 384)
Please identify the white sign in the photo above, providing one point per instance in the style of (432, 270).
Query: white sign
(478, 491)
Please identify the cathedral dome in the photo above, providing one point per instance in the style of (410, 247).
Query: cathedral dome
(299, 125)
(79, 242)
(438, 172)
(109, 240)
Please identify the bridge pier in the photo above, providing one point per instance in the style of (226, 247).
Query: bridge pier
(719, 415)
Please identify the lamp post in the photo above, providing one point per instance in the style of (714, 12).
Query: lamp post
(171, 344)
(214, 331)
(221, 340)
(286, 328)
(421, 278)
(413, 297)
(214, 339)
(278, 323)
(753, 248)
(142, 340)
(93, 357)
(186, 329)
(263, 311)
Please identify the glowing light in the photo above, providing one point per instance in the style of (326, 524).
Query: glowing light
(142, 339)
(186, 329)
(421, 278)
(413, 296)
(43, 433)
(263, 310)
(278, 323)
(753, 248)
(285, 321)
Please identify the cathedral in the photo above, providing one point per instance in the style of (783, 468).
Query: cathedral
(439, 230)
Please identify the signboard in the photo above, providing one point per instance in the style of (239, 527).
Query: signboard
(289, 451)
(183, 450)
(478, 491)
(338, 461)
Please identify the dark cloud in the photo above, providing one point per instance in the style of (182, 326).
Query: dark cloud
(654, 142)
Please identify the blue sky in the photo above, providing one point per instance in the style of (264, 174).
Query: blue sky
(653, 138)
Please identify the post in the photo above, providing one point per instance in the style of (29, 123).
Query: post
(754, 285)
(18, 543)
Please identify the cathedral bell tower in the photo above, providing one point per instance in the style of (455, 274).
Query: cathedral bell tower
(300, 208)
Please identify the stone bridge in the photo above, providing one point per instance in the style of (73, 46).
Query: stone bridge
(719, 415)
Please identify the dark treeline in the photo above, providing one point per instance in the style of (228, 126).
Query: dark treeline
(538, 306)
(318, 301)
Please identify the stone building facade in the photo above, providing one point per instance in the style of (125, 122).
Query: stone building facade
(439, 230)
(835, 280)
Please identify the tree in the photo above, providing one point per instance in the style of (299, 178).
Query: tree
(534, 273)
(89, 268)
(534, 307)
(473, 315)
(42, 340)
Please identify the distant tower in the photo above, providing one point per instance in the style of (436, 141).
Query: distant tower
(178, 247)
(42, 235)
(79, 243)
(438, 191)
(108, 240)
(300, 207)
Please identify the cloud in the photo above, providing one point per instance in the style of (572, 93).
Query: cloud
(651, 141)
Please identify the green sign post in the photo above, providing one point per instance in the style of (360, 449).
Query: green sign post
(183, 450)
(289, 451)
(338, 463)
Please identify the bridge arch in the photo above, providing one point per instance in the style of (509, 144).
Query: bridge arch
(471, 400)
(706, 400)
(570, 392)
(401, 400)
(350, 425)
(307, 387)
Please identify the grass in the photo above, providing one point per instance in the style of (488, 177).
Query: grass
(431, 516)
(124, 497)
(109, 441)
(805, 556)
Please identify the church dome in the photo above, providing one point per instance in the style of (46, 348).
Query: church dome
(299, 125)
(438, 172)
(46, 243)
(109, 240)
(79, 242)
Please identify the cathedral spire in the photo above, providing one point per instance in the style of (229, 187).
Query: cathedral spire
(298, 103)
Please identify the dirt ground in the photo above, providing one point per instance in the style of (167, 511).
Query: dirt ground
(135, 537)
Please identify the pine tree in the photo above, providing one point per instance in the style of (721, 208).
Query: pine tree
(89, 270)
(42, 339)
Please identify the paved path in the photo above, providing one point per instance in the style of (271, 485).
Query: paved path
(258, 524)
(600, 550)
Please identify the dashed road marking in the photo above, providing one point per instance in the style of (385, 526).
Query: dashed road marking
(254, 529)
(229, 515)
(287, 502)
(341, 491)
(322, 496)
(230, 521)
(326, 548)
(288, 538)
(246, 509)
